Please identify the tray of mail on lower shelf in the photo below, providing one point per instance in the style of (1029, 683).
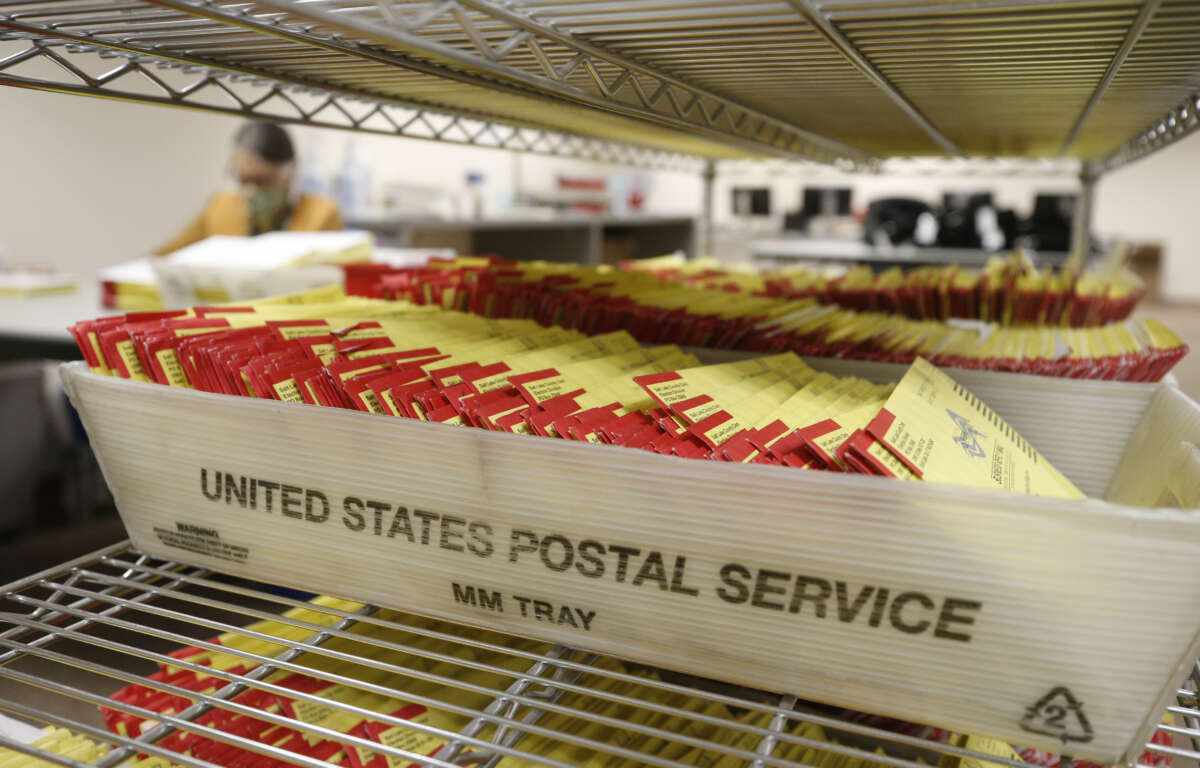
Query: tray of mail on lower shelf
(125, 659)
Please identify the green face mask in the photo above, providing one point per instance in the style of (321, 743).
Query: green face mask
(267, 208)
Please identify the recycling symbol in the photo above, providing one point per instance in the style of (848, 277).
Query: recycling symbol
(1059, 715)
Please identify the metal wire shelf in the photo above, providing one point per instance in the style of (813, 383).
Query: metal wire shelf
(843, 81)
(76, 68)
(73, 634)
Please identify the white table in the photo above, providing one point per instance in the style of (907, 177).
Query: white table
(841, 251)
(36, 326)
(570, 237)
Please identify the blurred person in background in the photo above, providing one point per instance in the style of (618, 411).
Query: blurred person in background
(264, 166)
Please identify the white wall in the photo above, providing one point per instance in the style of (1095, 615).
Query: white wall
(418, 163)
(88, 182)
(1157, 199)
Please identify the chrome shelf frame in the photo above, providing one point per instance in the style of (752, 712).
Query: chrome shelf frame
(74, 633)
(218, 39)
(1179, 122)
(487, 38)
(246, 94)
(844, 82)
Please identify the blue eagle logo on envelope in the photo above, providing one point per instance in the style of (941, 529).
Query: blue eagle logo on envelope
(968, 436)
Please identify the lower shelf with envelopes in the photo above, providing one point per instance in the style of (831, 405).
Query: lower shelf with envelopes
(973, 608)
(217, 671)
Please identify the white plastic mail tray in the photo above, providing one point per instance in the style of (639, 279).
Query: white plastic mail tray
(1058, 624)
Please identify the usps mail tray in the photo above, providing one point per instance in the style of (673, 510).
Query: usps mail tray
(1060, 624)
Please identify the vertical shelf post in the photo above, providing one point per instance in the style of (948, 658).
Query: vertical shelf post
(709, 175)
(1081, 223)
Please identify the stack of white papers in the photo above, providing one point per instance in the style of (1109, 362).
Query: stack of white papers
(274, 250)
(21, 282)
(226, 268)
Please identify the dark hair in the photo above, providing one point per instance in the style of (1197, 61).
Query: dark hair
(267, 140)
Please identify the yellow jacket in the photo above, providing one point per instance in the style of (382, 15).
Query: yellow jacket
(227, 214)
